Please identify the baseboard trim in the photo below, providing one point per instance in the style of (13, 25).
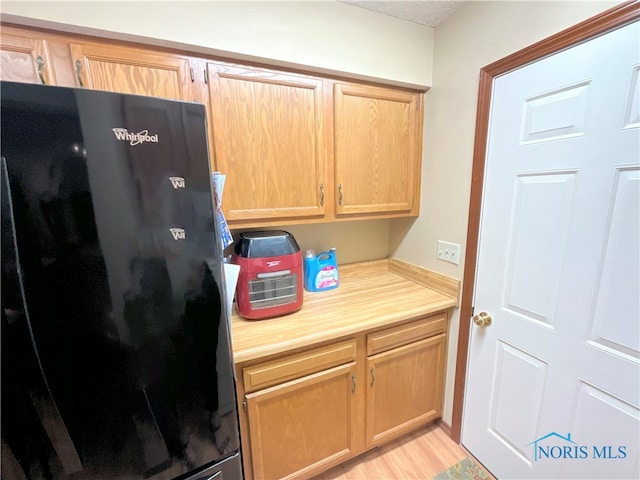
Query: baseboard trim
(445, 427)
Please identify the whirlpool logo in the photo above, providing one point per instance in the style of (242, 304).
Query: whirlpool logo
(143, 136)
(554, 446)
(178, 233)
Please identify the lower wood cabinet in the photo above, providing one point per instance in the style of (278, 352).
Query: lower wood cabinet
(404, 389)
(303, 425)
(306, 412)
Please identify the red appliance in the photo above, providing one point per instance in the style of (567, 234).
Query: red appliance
(270, 280)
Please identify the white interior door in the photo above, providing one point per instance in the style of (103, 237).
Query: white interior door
(553, 385)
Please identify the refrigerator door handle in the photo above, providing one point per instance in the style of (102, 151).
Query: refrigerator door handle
(215, 476)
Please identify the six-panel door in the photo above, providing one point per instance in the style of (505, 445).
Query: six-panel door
(559, 269)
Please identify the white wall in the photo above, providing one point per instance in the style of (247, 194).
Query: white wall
(325, 36)
(478, 34)
(354, 241)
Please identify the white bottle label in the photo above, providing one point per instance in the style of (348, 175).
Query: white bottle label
(327, 277)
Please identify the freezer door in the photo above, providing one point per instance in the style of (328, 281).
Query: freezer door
(123, 283)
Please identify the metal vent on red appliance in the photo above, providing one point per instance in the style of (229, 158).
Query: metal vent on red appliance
(281, 289)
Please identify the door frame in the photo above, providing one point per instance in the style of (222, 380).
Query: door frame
(604, 22)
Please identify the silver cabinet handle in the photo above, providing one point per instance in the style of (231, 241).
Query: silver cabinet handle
(322, 194)
(353, 383)
(373, 377)
(340, 194)
(40, 62)
(78, 70)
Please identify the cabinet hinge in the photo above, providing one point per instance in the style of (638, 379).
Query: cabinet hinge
(206, 76)
(472, 310)
(244, 404)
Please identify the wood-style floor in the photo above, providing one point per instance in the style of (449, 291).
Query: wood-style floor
(420, 455)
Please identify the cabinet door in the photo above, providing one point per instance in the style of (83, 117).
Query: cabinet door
(132, 70)
(304, 425)
(377, 150)
(25, 60)
(405, 388)
(269, 139)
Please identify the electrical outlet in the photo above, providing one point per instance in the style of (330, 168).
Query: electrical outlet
(449, 252)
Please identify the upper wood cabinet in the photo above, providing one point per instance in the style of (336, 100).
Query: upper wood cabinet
(25, 59)
(131, 70)
(377, 150)
(295, 148)
(269, 137)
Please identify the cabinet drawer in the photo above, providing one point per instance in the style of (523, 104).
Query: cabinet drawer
(294, 366)
(403, 334)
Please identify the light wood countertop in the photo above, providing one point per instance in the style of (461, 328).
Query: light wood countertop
(370, 295)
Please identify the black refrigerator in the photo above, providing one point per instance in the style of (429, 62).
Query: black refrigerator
(116, 358)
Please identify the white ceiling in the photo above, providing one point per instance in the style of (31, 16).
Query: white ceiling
(426, 12)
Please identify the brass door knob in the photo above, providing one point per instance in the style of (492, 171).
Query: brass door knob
(482, 319)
